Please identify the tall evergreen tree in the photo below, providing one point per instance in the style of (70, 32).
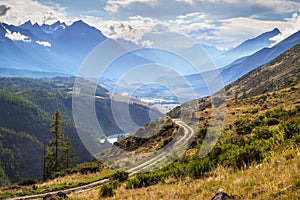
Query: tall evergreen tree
(68, 158)
(60, 153)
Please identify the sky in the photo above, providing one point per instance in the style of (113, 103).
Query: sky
(219, 23)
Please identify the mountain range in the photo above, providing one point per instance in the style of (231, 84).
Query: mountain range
(34, 50)
(47, 48)
(246, 48)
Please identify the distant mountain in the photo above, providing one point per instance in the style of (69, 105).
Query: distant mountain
(244, 65)
(200, 82)
(246, 48)
(280, 73)
(211, 51)
(49, 48)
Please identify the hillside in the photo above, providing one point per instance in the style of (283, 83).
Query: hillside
(26, 105)
(24, 112)
(261, 163)
(21, 156)
(260, 136)
(242, 66)
(257, 156)
(259, 140)
(279, 73)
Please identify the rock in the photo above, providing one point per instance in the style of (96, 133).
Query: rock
(221, 196)
(257, 193)
(62, 195)
(48, 197)
(59, 195)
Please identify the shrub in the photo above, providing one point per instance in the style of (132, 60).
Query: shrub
(197, 168)
(145, 180)
(28, 182)
(271, 121)
(106, 190)
(278, 113)
(120, 176)
(132, 183)
(291, 128)
(115, 184)
(262, 133)
(244, 126)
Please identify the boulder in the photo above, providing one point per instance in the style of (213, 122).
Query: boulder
(221, 196)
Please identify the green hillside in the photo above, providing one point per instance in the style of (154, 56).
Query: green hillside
(261, 135)
(277, 74)
(21, 156)
(26, 105)
(18, 114)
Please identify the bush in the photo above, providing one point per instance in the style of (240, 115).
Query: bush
(145, 180)
(278, 113)
(197, 168)
(133, 183)
(271, 121)
(262, 133)
(120, 176)
(237, 156)
(291, 128)
(244, 126)
(28, 182)
(106, 190)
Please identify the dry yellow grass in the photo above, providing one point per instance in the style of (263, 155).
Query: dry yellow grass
(67, 181)
(278, 178)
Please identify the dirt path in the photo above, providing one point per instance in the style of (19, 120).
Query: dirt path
(188, 133)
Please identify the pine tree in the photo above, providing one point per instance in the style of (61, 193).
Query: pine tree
(60, 153)
(68, 158)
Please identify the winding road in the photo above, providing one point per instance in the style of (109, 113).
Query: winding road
(188, 134)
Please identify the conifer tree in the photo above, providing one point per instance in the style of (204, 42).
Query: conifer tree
(68, 158)
(60, 153)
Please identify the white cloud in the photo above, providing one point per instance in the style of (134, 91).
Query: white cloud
(22, 11)
(16, 36)
(194, 2)
(147, 43)
(236, 30)
(113, 6)
(291, 26)
(43, 43)
(278, 6)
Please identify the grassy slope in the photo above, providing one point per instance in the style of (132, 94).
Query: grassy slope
(80, 175)
(277, 176)
(276, 179)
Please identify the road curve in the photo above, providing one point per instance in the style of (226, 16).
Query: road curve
(188, 134)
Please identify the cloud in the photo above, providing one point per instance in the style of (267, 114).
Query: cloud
(22, 11)
(194, 2)
(113, 6)
(3, 9)
(16, 36)
(43, 43)
(288, 28)
(277, 6)
(214, 9)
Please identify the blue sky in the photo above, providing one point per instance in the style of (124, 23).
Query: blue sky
(220, 23)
